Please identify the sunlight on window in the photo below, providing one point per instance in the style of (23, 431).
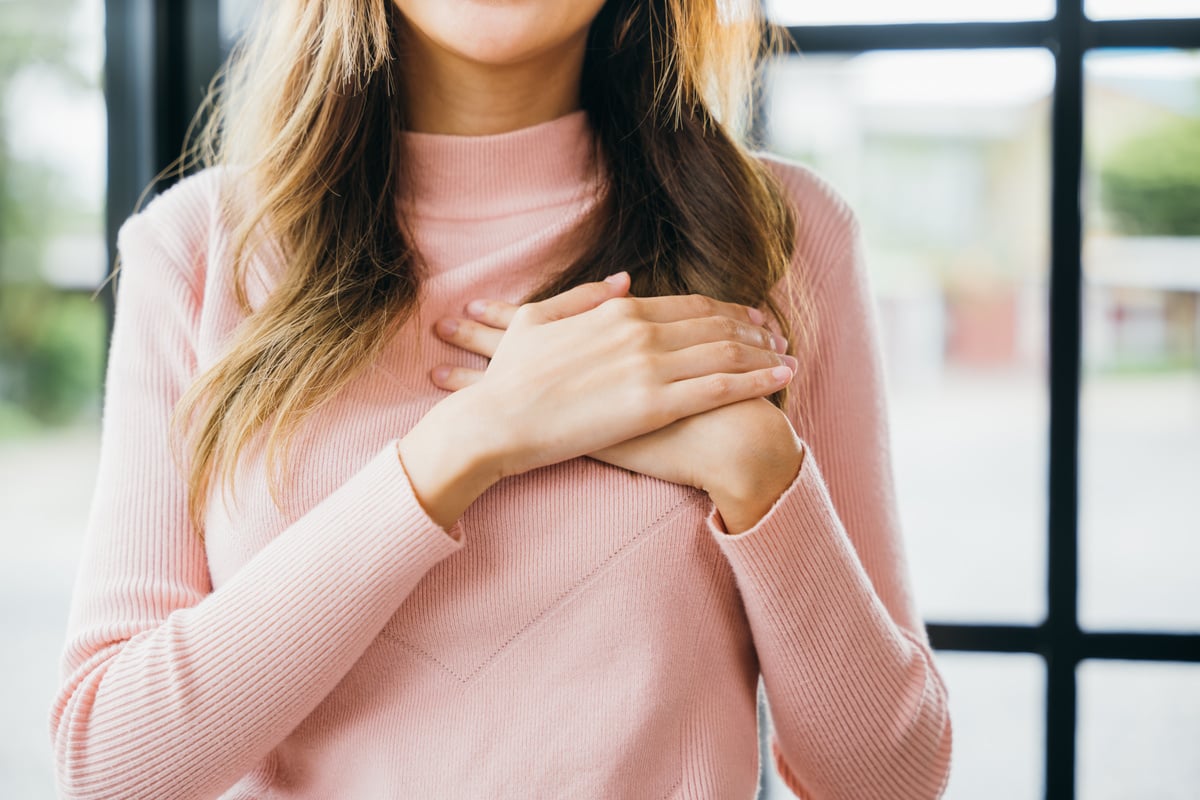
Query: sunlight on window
(1142, 9)
(1138, 727)
(1140, 415)
(52, 339)
(944, 156)
(809, 12)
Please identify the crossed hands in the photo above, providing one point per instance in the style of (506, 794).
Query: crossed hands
(703, 366)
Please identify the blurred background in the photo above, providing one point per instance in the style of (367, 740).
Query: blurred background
(1043, 364)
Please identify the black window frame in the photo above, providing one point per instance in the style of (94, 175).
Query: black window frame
(160, 55)
(1059, 639)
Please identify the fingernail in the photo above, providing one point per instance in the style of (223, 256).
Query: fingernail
(791, 361)
(448, 326)
(781, 374)
(615, 277)
(756, 316)
(441, 373)
(476, 307)
(780, 343)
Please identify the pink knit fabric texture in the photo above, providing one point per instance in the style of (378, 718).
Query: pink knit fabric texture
(582, 631)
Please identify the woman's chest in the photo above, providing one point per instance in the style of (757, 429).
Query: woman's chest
(532, 541)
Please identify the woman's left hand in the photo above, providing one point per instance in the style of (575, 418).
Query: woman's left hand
(743, 454)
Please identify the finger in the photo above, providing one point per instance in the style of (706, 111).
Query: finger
(496, 313)
(581, 298)
(697, 395)
(470, 335)
(719, 357)
(688, 332)
(674, 307)
(454, 378)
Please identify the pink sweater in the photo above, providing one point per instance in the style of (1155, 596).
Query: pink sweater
(582, 631)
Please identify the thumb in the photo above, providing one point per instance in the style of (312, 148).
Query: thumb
(582, 298)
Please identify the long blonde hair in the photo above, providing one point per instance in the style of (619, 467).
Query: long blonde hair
(306, 113)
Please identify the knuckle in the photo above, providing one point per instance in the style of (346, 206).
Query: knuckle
(640, 336)
(610, 310)
(730, 327)
(702, 304)
(621, 307)
(732, 352)
(526, 312)
(720, 386)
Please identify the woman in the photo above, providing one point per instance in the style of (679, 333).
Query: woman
(537, 546)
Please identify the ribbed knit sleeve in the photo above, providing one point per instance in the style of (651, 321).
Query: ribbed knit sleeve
(858, 705)
(170, 689)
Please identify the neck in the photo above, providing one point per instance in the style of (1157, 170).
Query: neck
(450, 94)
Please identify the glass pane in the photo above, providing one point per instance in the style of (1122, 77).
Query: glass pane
(1138, 728)
(52, 183)
(944, 157)
(1140, 419)
(996, 709)
(807, 12)
(1142, 9)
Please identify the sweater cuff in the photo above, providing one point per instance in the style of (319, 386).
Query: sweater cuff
(798, 555)
(455, 531)
(383, 493)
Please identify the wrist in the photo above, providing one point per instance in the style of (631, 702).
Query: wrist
(743, 503)
(449, 460)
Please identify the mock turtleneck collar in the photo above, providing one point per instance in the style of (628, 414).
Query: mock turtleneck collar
(451, 176)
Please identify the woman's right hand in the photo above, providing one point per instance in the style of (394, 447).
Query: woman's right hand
(581, 371)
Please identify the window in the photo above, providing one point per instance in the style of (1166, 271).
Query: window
(1028, 179)
(52, 341)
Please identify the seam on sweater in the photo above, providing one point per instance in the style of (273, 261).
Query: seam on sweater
(707, 617)
(675, 785)
(553, 605)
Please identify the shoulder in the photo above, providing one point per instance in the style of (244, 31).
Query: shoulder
(827, 227)
(175, 227)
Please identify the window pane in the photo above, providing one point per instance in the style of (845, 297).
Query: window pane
(1138, 728)
(1142, 9)
(52, 184)
(807, 12)
(1140, 419)
(234, 17)
(944, 157)
(996, 710)
(996, 704)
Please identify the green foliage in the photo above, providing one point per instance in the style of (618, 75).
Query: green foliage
(15, 422)
(1150, 185)
(51, 344)
(51, 353)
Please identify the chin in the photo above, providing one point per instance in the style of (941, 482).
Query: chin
(499, 32)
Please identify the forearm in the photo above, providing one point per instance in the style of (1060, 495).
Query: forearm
(183, 704)
(858, 706)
